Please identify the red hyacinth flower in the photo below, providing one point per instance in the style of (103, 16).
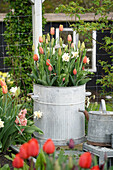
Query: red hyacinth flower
(33, 147)
(75, 71)
(18, 162)
(49, 147)
(35, 57)
(85, 60)
(85, 160)
(24, 151)
(96, 167)
(48, 62)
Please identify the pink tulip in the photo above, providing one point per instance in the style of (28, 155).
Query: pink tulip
(50, 68)
(69, 38)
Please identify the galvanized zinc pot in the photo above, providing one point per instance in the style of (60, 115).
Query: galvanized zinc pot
(100, 126)
(60, 120)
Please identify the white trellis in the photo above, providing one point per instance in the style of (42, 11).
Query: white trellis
(36, 21)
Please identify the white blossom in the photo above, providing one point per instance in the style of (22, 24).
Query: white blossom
(13, 90)
(65, 57)
(1, 123)
(88, 60)
(74, 54)
(37, 114)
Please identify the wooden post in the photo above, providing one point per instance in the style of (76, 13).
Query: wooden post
(36, 22)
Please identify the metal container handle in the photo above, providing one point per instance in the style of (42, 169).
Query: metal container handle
(103, 106)
(85, 113)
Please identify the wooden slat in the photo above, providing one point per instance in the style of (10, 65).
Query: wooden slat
(61, 17)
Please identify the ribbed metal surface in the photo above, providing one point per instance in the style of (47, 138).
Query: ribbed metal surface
(100, 127)
(60, 120)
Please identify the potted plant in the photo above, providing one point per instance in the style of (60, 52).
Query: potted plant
(59, 77)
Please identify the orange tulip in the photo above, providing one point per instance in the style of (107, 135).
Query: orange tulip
(35, 57)
(4, 89)
(41, 50)
(85, 160)
(2, 83)
(85, 60)
(18, 162)
(50, 68)
(52, 31)
(49, 147)
(75, 71)
(40, 39)
(61, 27)
(69, 38)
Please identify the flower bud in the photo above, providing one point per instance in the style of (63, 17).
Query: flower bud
(60, 41)
(70, 162)
(69, 38)
(57, 166)
(61, 27)
(46, 41)
(33, 47)
(52, 41)
(72, 45)
(79, 44)
(52, 31)
(85, 160)
(41, 50)
(71, 144)
(35, 57)
(18, 162)
(66, 47)
(40, 39)
(43, 38)
(48, 37)
(85, 60)
(4, 89)
(50, 68)
(48, 62)
(59, 52)
(75, 71)
(82, 46)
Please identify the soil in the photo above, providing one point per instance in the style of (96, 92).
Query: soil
(4, 160)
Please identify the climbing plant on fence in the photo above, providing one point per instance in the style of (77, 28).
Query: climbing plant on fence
(18, 36)
(101, 8)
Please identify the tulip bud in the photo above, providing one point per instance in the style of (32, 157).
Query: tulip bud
(40, 39)
(57, 166)
(2, 83)
(50, 68)
(61, 42)
(85, 160)
(71, 144)
(59, 52)
(96, 167)
(48, 37)
(49, 146)
(52, 31)
(43, 38)
(33, 47)
(4, 89)
(52, 41)
(82, 46)
(79, 44)
(46, 41)
(48, 62)
(35, 57)
(72, 45)
(70, 162)
(75, 71)
(69, 38)
(66, 47)
(61, 27)
(41, 50)
(24, 151)
(17, 93)
(33, 147)
(85, 60)
(18, 162)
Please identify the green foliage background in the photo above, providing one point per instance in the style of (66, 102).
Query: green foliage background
(18, 36)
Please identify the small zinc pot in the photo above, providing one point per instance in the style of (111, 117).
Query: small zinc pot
(60, 119)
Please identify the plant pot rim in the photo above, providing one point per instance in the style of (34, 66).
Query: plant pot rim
(58, 86)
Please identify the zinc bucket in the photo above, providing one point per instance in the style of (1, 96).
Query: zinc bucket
(60, 119)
